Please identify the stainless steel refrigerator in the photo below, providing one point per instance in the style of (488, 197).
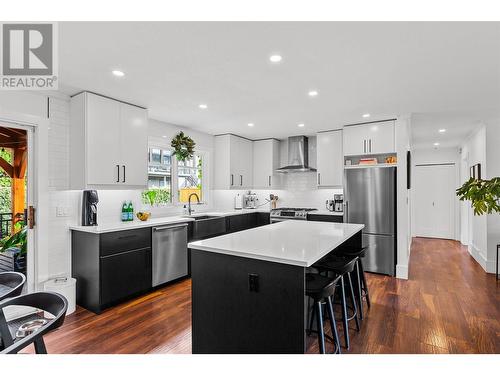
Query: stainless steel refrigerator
(370, 199)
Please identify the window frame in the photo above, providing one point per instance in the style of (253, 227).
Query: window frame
(174, 191)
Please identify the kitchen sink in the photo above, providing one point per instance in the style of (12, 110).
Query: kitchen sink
(205, 226)
(203, 217)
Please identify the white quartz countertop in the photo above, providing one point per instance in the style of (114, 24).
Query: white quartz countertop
(155, 221)
(295, 242)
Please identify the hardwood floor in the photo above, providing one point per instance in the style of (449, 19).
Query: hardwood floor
(448, 305)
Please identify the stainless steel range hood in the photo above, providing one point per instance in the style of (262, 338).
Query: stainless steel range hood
(298, 156)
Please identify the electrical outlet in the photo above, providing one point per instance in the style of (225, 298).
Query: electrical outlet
(253, 282)
(62, 211)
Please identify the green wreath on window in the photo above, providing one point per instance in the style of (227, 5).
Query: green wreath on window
(183, 146)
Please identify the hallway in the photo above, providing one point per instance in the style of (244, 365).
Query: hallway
(449, 305)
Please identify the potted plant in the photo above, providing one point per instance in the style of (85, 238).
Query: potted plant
(484, 195)
(13, 250)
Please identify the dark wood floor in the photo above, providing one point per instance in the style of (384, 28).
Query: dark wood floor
(448, 305)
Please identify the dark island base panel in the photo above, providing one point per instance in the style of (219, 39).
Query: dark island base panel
(242, 305)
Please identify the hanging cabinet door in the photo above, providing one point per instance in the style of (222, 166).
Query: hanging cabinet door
(330, 159)
(102, 140)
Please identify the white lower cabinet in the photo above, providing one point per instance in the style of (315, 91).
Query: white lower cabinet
(330, 159)
(266, 159)
(108, 143)
(233, 162)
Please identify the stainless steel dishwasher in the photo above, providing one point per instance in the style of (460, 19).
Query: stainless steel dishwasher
(170, 253)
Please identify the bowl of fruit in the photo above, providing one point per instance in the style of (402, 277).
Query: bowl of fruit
(143, 216)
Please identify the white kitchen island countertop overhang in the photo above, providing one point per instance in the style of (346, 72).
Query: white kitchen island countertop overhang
(293, 242)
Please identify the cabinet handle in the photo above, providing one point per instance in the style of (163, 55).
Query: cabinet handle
(232, 180)
(124, 174)
(118, 169)
(319, 178)
(241, 180)
(269, 180)
(364, 146)
(370, 143)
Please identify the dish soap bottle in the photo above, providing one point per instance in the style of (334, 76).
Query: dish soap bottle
(124, 211)
(130, 211)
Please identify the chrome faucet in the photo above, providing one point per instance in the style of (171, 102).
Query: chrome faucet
(189, 202)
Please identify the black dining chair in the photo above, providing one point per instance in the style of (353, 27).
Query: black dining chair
(50, 302)
(11, 284)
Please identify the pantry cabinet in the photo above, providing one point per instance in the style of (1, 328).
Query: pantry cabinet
(233, 162)
(266, 159)
(330, 159)
(369, 139)
(108, 143)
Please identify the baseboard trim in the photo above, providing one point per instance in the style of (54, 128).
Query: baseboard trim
(478, 257)
(402, 272)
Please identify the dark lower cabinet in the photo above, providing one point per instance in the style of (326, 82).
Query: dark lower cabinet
(327, 218)
(125, 274)
(263, 218)
(110, 267)
(235, 223)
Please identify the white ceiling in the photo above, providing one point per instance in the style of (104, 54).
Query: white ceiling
(442, 72)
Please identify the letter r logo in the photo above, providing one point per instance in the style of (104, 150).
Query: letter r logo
(27, 49)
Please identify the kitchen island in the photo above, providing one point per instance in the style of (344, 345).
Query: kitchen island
(248, 288)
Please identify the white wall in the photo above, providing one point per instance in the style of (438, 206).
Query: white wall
(492, 170)
(403, 125)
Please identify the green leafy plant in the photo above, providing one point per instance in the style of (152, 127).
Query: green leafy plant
(484, 195)
(155, 197)
(183, 146)
(18, 240)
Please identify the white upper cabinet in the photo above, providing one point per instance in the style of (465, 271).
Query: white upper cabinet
(108, 143)
(330, 158)
(366, 139)
(233, 162)
(266, 159)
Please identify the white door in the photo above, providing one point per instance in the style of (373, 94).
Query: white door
(103, 141)
(133, 142)
(435, 201)
(330, 158)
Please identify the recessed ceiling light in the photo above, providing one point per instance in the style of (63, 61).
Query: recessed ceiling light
(275, 58)
(436, 144)
(301, 125)
(250, 124)
(164, 136)
(313, 93)
(442, 130)
(118, 73)
(203, 106)
(366, 115)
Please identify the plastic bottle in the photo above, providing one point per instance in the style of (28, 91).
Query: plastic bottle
(124, 211)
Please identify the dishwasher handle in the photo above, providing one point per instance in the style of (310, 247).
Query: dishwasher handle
(158, 229)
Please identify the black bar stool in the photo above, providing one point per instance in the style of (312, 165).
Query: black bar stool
(342, 268)
(321, 289)
(362, 286)
(11, 284)
(50, 302)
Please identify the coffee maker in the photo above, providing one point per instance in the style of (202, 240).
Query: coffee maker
(338, 200)
(89, 207)
(250, 200)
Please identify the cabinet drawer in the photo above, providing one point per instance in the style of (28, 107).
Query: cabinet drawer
(327, 218)
(117, 242)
